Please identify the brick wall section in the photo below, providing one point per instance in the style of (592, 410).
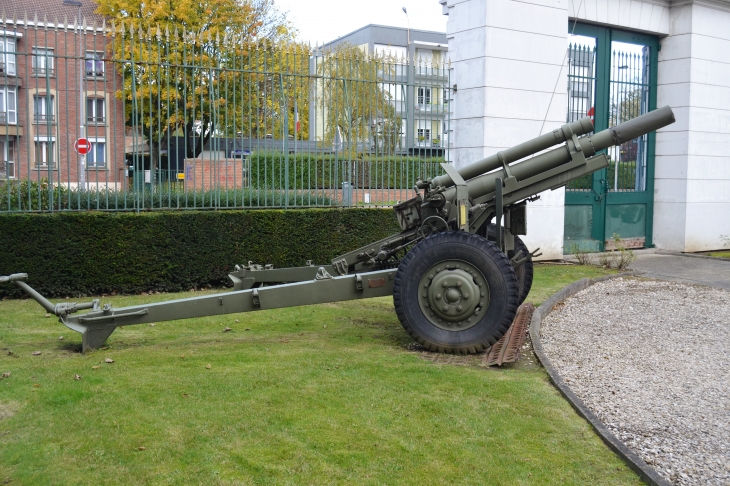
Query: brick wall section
(205, 174)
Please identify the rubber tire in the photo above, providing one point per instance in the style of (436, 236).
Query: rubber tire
(495, 268)
(524, 272)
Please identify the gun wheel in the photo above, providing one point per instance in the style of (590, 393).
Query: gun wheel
(525, 271)
(455, 292)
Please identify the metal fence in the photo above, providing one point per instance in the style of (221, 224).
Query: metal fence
(629, 84)
(629, 98)
(581, 95)
(180, 120)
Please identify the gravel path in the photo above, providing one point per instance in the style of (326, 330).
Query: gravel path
(652, 360)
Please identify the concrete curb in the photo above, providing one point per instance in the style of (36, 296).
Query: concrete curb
(637, 251)
(689, 255)
(632, 459)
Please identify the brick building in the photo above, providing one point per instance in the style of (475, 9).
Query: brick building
(43, 53)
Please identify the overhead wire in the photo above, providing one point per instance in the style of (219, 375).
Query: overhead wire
(552, 95)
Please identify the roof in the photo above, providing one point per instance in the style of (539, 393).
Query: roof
(51, 10)
(374, 32)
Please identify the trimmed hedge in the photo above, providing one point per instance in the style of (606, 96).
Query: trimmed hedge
(91, 253)
(325, 171)
(34, 196)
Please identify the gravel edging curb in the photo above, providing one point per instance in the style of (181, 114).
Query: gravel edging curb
(689, 255)
(632, 459)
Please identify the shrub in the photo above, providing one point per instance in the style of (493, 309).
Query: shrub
(327, 171)
(583, 257)
(91, 253)
(621, 257)
(39, 196)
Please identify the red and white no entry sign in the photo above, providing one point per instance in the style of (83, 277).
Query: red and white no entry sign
(82, 146)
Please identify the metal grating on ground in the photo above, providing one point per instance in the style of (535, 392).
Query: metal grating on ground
(507, 349)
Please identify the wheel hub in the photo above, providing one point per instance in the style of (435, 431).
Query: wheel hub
(454, 295)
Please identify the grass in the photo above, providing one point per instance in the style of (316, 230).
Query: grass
(551, 278)
(720, 254)
(326, 394)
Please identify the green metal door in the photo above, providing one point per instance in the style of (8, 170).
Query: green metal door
(612, 78)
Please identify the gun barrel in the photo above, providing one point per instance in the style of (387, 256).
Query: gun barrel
(641, 125)
(590, 145)
(513, 154)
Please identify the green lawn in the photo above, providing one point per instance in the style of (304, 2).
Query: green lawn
(720, 254)
(328, 394)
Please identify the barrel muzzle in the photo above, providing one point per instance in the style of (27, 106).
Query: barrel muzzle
(636, 127)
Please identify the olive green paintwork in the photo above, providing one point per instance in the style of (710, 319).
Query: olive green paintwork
(369, 271)
(454, 296)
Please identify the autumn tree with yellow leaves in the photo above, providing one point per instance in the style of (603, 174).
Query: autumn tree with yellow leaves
(186, 65)
(357, 100)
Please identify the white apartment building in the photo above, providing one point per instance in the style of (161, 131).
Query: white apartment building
(419, 72)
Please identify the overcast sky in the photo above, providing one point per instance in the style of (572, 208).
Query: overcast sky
(325, 20)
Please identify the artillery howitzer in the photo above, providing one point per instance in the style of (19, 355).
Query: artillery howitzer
(456, 278)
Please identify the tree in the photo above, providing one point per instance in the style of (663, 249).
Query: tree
(264, 89)
(387, 134)
(177, 59)
(628, 104)
(356, 99)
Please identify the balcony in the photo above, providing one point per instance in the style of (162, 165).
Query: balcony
(432, 108)
(436, 75)
(7, 170)
(43, 72)
(436, 143)
(8, 118)
(42, 118)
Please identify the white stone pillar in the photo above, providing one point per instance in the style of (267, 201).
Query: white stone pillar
(692, 183)
(506, 60)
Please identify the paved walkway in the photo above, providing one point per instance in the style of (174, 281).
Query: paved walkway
(681, 268)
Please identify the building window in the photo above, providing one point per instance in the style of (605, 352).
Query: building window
(43, 109)
(94, 64)
(95, 111)
(424, 134)
(7, 56)
(7, 158)
(580, 89)
(8, 105)
(42, 62)
(424, 96)
(45, 154)
(96, 158)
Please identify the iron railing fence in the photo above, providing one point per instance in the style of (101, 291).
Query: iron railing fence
(629, 79)
(630, 85)
(581, 95)
(181, 120)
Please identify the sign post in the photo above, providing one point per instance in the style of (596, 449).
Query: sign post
(82, 146)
